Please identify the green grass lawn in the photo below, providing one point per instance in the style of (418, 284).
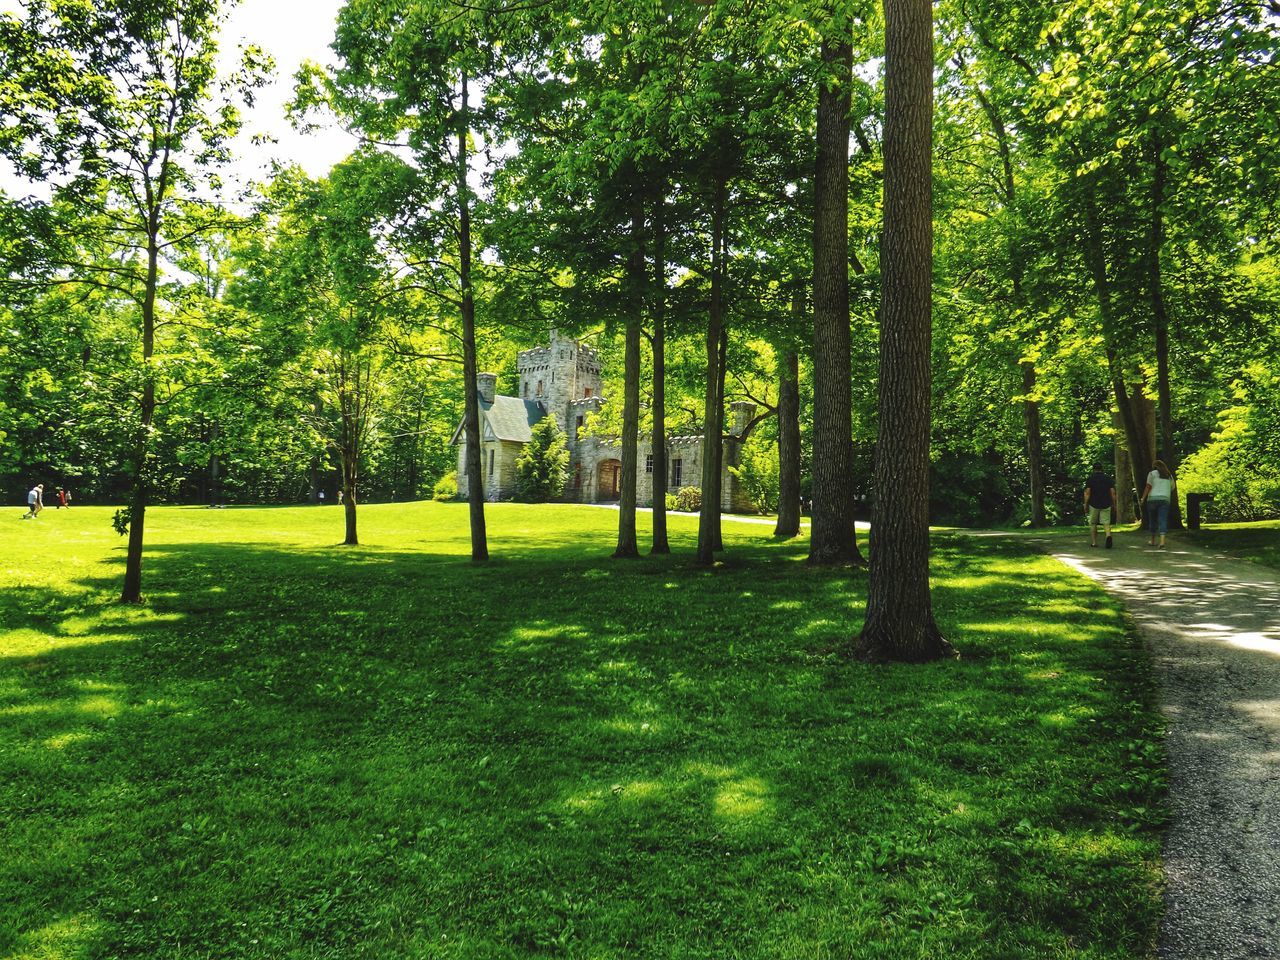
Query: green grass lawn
(1259, 542)
(299, 750)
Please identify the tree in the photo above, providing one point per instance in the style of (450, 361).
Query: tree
(788, 524)
(1153, 117)
(543, 467)
(832, 538)
(412, 77)
(899, 623)
(118, 105)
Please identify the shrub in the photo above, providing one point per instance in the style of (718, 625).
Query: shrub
(758, 473)
(688, 499)
(446, 487)
(543, 468)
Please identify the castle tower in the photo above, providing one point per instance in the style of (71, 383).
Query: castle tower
(559, 374)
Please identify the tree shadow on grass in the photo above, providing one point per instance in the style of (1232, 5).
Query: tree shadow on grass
(290, 752)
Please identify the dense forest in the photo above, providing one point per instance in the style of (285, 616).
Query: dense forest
(698, 190)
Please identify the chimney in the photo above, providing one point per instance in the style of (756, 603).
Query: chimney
(487, 384)
(740, 414)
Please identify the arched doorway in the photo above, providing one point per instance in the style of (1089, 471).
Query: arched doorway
(609, 480)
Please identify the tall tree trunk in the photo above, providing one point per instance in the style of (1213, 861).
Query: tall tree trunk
(627, 546)
(351, 397)
(789, 444)
(414, 449)
(899, 624)
(1138, 420)
(350, 463)
(832, 539)
(1126, 506)
(1139, 424)
(1142, 448)
(215, 463)
(131, 592)
(1135, 435)
(659, 439)
(215, 491)
(1160, 315)
(471, 415)
(1035, 447)
(349, 508)
(713, 415)
(717, 492)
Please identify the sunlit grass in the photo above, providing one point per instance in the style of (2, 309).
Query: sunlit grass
(300, 750)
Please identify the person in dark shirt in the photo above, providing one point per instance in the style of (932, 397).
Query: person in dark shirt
(1099, 498)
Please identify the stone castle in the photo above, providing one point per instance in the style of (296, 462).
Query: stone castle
(562, 380)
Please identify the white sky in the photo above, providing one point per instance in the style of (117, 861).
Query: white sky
(291, 31)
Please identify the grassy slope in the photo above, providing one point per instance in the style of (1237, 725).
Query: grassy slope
(1259, 542)
(300, 750)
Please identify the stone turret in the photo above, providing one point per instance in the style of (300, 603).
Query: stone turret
(559, 374)
(487, 385)
(740, 414)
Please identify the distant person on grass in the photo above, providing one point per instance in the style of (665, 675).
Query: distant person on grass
(35, 502)
(1099, 498)
(1155, 498)
(64, 498)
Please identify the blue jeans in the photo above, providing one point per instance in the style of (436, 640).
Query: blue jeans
(1158, 516)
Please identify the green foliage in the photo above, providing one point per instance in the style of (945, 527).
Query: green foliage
(968, 489)
(1238, 465)
(758, 472)
(561, 764)
(121, 519)
(446, 488)
(687, 500)
(1053, 120)
(542, 469)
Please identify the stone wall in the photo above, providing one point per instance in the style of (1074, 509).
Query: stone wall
(591, 452)
(498, 483)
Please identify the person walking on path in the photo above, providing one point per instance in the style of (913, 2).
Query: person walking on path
(1099, 498)
(1155, 499)
(35, 502)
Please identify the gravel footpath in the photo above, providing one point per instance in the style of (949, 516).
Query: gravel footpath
(1212, 626)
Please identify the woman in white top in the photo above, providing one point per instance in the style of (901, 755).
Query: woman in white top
(1156, 496)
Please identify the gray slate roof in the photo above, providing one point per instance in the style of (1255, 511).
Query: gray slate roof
(510, 418)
